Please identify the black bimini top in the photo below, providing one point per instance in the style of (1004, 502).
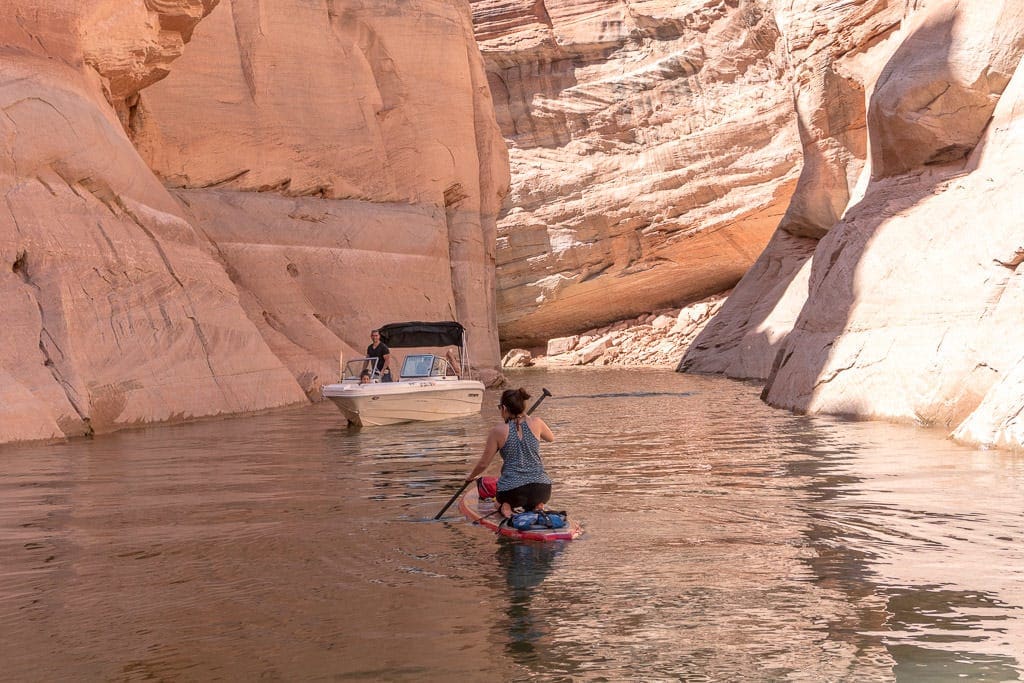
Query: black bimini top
(400, 335)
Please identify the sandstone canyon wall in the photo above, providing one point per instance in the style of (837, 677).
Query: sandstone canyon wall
(653, 149)
(318, 171)
(344, 158)
(116, 311)
(893, 287)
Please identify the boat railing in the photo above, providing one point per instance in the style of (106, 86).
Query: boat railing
(354, 369)
(414, 366)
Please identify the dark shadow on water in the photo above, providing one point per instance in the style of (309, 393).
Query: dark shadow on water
(922, 664)
(927, 629)
(934, 610)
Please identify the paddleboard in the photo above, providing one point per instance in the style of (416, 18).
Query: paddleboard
(484, 513)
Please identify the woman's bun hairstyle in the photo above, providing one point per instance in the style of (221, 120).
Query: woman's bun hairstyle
(514, 400)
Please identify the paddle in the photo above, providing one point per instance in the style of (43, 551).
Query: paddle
(543, 395)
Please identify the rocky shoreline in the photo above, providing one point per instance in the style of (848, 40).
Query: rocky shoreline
(655, 339)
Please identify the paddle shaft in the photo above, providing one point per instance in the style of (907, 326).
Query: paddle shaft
(544, 394)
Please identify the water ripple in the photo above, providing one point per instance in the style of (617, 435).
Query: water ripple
(725, 541)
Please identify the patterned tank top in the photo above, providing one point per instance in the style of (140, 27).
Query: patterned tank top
(521, 456)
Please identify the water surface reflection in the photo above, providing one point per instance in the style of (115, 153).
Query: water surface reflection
(726, 541)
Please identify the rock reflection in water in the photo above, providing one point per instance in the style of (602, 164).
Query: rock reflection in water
(725, 541)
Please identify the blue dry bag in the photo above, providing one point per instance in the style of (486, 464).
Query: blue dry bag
(538, 519)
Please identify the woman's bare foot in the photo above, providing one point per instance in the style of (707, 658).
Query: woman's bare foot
(505, 510)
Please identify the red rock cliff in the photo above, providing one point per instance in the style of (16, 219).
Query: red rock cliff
(344, 158)
(330, 169)
(908, 307)
(653, 148)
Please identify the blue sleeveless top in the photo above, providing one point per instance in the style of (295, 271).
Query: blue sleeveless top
(521, 458)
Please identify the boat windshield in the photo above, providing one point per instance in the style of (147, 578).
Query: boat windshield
(355, 367)
(424, 365)
(418, 365)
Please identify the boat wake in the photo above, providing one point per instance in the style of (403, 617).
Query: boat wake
(633, 394)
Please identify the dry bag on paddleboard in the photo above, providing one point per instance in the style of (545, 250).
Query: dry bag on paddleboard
(538, 519)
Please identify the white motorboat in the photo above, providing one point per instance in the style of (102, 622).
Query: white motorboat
(430, 386)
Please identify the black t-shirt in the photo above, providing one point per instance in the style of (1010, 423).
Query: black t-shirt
(378, 353)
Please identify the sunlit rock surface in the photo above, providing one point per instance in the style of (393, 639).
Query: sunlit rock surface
(913, 299)
(342, 189)
(836, 52)
(366, 197)
(649, 340)
(116, 311)
(653, 150)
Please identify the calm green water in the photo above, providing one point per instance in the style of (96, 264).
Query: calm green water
(725, 541)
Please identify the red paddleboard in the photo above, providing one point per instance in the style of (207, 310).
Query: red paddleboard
(484, 513)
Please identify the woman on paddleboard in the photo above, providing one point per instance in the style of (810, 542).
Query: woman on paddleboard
(523, 481)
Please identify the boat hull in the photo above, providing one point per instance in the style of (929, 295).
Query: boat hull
(483, 513)
(387, 403)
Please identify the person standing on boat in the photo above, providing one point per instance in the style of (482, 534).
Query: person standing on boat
(379, 350)
(523, 481)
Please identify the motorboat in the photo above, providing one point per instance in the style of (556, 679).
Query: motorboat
(431, 386)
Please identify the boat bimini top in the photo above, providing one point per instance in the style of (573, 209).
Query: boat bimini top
(404, 335)
(427, 334)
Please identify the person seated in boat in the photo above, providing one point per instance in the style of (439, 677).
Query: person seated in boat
(364, 377)
(379, 350)
(523, 482)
